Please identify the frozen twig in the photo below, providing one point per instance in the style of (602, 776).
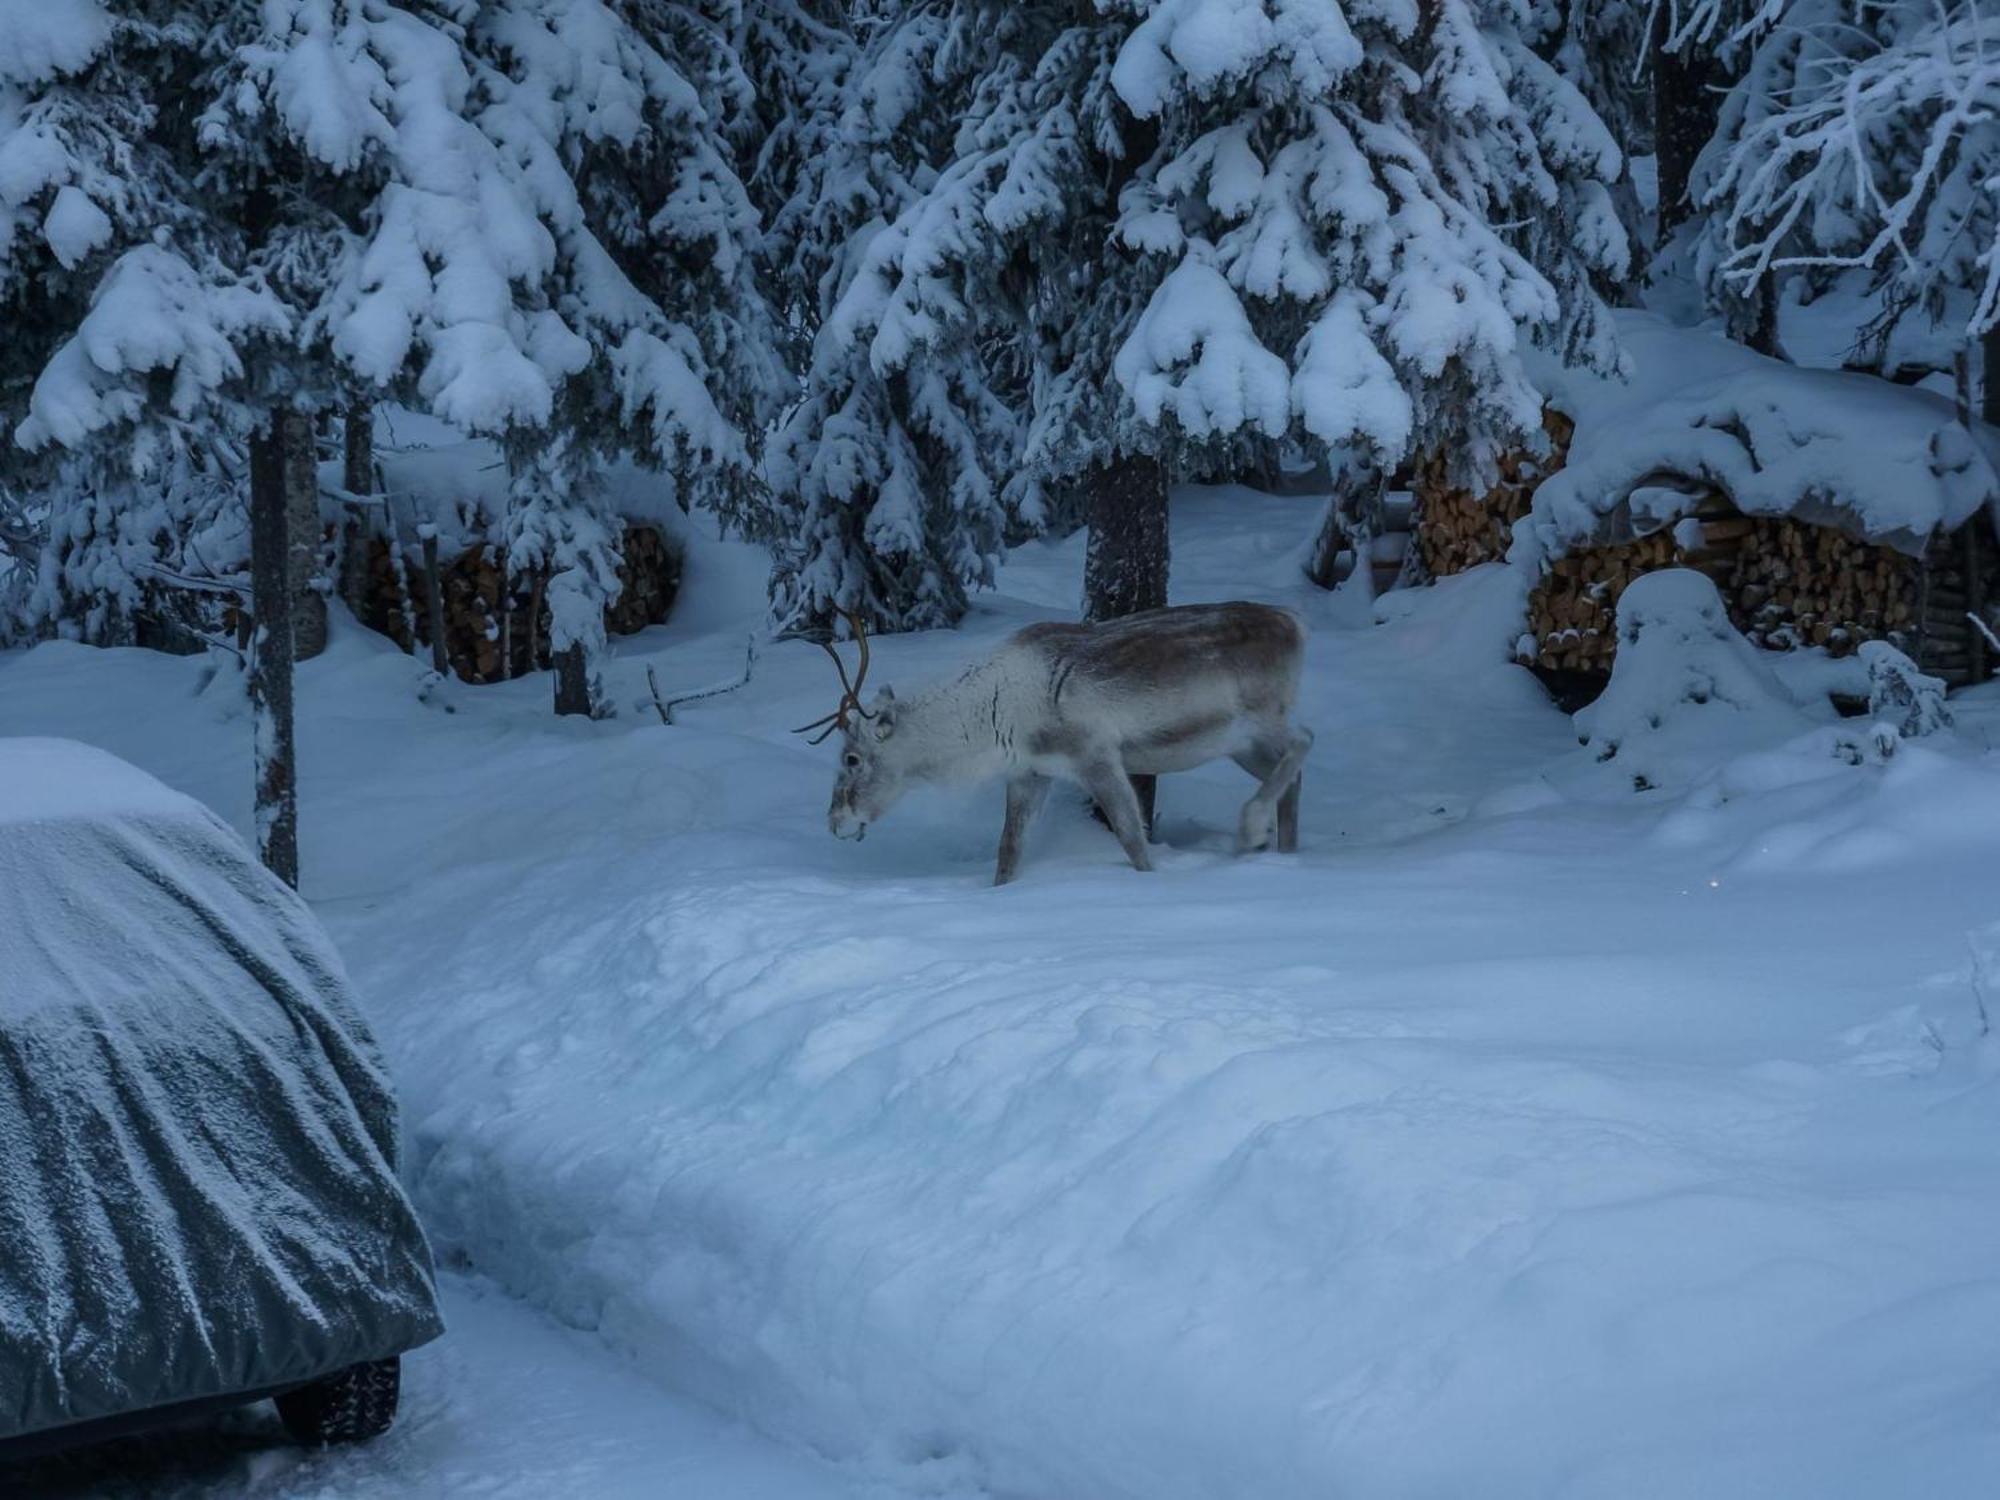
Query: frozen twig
(666, 706)
(220, 585)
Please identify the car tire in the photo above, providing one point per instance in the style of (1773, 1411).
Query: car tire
(349, 1406)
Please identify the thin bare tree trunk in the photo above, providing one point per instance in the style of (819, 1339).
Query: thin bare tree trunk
(1763, 331)
(357, 477)
(1685, 111)
(302, 528)
(1975, 561)
(573, 681)
(1127, 559)
(271, 649)
(1989, 376)
(434, 599)
(537, 592)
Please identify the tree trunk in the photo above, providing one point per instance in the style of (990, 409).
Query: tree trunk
(434, 600)
(357, 477)
(301, 498)
(1686, 109)
(1125, 566)
(1125, 563)
(1989, 375)
(1323, 566)
(1763, 331)
(1353, 520)
(1975, 561)
(271, 650)
(573, 680)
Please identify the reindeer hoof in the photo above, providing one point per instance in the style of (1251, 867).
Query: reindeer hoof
(1256, 830)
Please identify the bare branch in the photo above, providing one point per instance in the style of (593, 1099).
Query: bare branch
(666, 706)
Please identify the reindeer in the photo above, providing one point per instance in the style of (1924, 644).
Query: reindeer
(1166, 690)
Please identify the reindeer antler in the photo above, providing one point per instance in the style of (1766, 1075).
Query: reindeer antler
(850, 692)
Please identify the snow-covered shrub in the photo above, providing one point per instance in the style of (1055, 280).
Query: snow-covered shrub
(1685, 686)
(1901, 696)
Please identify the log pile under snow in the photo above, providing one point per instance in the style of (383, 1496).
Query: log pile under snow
(1828, 509)
(1458, 529)
(493, 631)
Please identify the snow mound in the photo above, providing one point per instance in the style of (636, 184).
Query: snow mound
(1684, 684)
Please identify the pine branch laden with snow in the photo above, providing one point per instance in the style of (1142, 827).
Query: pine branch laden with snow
(106, 278)
(1866, 137)
(144, 404)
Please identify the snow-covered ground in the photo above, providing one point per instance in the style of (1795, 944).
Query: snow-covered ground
(1524, 1135)
(510, 1407)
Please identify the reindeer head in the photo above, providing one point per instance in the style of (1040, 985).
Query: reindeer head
(870, 779)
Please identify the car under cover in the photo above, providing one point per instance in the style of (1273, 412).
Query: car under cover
(198, 1194)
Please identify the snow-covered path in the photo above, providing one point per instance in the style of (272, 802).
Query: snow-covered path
(508, 1407)
(1524, 1135)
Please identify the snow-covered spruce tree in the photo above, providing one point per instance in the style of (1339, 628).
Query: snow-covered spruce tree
(655, 269)
(1327, 226)
(1865, 138)
(1333, 233)
(500, 198)
(886, 478)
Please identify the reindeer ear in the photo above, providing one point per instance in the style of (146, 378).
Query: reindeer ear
(885, 695)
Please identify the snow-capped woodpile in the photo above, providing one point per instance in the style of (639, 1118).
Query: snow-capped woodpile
(493, 632)
(1787, 583)
(1829, 509)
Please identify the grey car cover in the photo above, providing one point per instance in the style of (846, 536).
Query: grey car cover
(198, 1194)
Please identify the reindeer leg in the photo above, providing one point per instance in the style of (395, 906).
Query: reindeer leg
(1288, 815)
(1274, 806)
(1253, 830)
(1107, 782)
(1025, 794)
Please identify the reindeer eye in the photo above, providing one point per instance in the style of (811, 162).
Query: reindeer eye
(851, 760)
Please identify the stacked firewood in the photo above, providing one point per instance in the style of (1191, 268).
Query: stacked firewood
(1794, 584)
(650, 575)
(1787, 584)
(1459, 529)
(1573, 611)
(1958, 582)
(496, 628)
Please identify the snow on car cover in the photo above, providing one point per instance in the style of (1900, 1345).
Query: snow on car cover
(197, 1186)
